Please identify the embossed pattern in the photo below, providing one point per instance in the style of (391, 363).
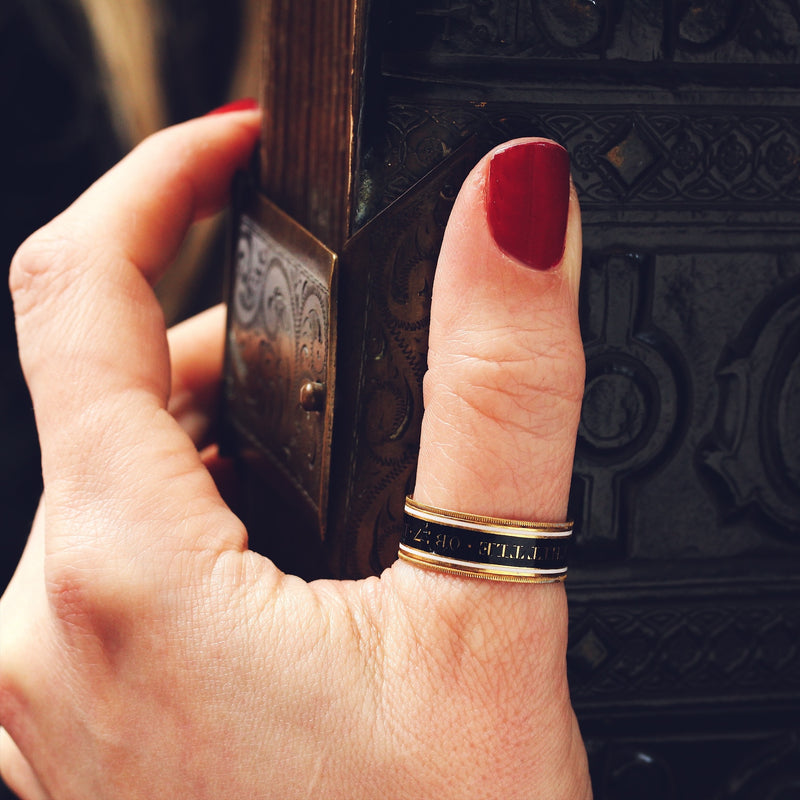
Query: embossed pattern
(759, 379)
(278, 342)
(636, 652)
(695, 31)
(649, 159)
(391, 262)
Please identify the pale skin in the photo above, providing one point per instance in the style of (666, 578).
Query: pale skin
(145, 652)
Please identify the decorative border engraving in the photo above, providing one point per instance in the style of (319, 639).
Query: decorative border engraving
(662, 159)
(687, 649)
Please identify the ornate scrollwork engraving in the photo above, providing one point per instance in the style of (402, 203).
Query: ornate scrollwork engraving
(701, 31)
(392, 261)
(278, 350)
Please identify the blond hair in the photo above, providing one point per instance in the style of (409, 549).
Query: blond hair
(126, 35)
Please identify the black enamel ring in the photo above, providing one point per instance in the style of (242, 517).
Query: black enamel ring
(484, 547)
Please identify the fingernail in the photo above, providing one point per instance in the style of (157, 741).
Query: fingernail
(245, 104)
(528, 201)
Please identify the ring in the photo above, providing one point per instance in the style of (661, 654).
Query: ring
(484, 547)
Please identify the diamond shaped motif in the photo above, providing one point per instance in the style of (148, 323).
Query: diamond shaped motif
(589, 653)
(632, 156)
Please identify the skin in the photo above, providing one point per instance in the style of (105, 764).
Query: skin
(145, 652)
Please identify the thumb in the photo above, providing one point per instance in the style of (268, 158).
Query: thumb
(505, 360)
(502, 400)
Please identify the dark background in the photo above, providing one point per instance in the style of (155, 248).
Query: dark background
(56, 138)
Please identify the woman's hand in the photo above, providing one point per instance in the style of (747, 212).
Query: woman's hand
(145, 652)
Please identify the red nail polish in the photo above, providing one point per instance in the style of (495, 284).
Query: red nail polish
(528, 201)
(245, 104)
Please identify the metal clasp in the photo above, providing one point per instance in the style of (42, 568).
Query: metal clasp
(281, 350)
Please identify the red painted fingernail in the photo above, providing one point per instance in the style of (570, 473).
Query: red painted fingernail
(528, 201)
(245, 104)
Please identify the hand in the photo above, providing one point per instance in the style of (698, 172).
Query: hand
(147, 653)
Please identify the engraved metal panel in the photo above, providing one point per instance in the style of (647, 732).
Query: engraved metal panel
(386, 279)
(280, 353)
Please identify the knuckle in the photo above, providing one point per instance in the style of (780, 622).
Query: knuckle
(155, 143)
(164, 147)
(566, 369)
(88, 598)
(70, 593)
(516, 386)
(41, 267)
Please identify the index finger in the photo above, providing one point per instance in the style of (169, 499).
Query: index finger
(91, 334)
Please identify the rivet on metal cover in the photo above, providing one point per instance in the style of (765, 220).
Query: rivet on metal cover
(312, 396)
